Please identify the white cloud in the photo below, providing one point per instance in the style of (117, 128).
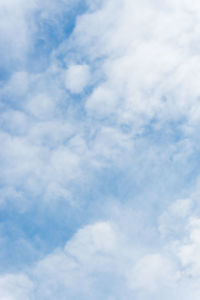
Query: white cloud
(173, 219)
(17, 85)
(14, 121)
(22, 23)
(41, 106)
(143, 74)
(15, 287)
(143, 66)
(188, 250)
(105, 258)
(102, 102)
(77, 77)
(152, 272)
(15, 32)
(91, 240)
(89, 250)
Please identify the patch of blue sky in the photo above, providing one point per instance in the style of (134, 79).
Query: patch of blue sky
(31, 235)
(50, 34)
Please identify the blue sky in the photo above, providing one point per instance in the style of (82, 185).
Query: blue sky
(99, 156)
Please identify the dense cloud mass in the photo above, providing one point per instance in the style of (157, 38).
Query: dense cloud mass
(99, 123)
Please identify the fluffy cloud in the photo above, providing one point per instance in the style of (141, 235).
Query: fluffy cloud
(103, 260)
(77, 77)
(150, 69)
(101, 103)
(14, 287)
(137, 78)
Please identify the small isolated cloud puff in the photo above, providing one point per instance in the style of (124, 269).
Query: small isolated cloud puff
(77, 77)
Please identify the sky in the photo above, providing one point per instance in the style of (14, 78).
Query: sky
(99, 150)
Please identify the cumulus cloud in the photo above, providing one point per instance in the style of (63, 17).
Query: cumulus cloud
(76, 78)
(14, 287)
(139, 58)
(152, 272)
(41, 106)
(103, 259)
(100, 104)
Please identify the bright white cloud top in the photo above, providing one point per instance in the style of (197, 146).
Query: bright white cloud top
(99, 133)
